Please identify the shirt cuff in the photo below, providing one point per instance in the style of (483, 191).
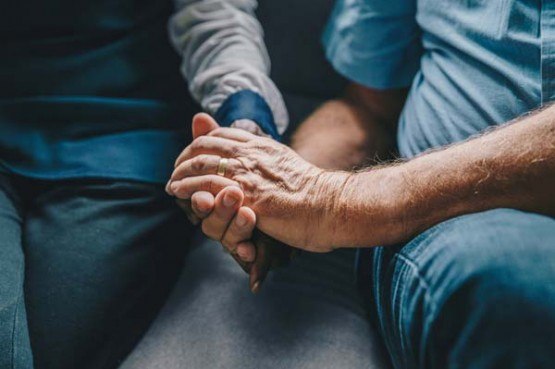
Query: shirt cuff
(247, 104)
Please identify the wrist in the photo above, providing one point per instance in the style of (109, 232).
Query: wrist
(368, 208)
(328, 206)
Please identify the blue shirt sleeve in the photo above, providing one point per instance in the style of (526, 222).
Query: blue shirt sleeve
(247, 104)
(374, 42)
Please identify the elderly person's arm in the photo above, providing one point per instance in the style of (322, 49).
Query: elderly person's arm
(226, 65)
(341, 134)
(307, 207)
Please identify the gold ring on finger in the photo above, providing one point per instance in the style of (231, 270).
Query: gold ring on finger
(222, 167)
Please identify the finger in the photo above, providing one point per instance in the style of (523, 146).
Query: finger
(202, 204)
(203, 124)
(249, 126)
(246, 251)
(168, 189)
(204, 165)
(222, 147)
(199, 165)
(240, 229)
(185, 205)
(227, 202)
(233, 134)
(259, 268)
(186, 187)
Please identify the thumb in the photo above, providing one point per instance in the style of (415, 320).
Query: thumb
(203, 124)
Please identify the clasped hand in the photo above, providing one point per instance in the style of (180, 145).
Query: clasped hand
(266, 186)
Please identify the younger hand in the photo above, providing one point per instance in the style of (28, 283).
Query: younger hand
(235, 227)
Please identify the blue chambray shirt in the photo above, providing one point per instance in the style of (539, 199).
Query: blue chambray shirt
(471, 64)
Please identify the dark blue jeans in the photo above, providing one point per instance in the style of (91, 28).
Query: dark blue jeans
(84, 268)
(474, 292)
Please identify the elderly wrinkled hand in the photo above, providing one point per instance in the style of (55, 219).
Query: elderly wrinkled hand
(286, 193)
(224, 219)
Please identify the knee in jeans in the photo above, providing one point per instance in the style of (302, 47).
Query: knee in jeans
(493, 291)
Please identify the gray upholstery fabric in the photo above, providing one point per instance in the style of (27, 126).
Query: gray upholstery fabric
(307, 315)
(293, 30)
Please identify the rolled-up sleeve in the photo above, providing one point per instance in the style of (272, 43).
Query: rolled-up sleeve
(374, 42)
(225, 61)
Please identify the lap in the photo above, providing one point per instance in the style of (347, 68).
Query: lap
(430, 292)
(14, 338)
(100, 258)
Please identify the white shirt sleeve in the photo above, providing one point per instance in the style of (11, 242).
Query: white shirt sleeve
(223, 51)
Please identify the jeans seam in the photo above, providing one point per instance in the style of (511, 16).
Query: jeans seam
(425, 285)
(17, 307)
(422, 281)
(13, 330)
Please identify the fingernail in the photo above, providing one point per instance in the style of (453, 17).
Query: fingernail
(174, 186)
(229, 200)
(203, 212)
(255, 287)
(203, 208)
(168, 190)
(241, 220)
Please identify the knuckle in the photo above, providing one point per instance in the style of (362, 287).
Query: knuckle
(202, 141)
(207, 185)
(234, 151)
(195, 146)
(198, 164)
(235, 168)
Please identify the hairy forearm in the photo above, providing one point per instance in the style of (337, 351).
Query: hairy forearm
(347, 132)
(512, 166)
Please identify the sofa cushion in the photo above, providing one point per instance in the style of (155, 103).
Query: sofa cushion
(308, 315)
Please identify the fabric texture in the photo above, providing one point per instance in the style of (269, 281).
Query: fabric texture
(374, 43)
(470, 64)
(474, 292)
(223, 50)
(94, 90)
(308, 315)
(85, 267)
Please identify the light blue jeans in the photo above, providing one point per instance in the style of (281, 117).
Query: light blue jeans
(477, 291)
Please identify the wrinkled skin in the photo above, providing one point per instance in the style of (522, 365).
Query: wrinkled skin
(275, 181)
(253, 250)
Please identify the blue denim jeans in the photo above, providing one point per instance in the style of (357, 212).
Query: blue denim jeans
(84, 268)
(477, 291)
